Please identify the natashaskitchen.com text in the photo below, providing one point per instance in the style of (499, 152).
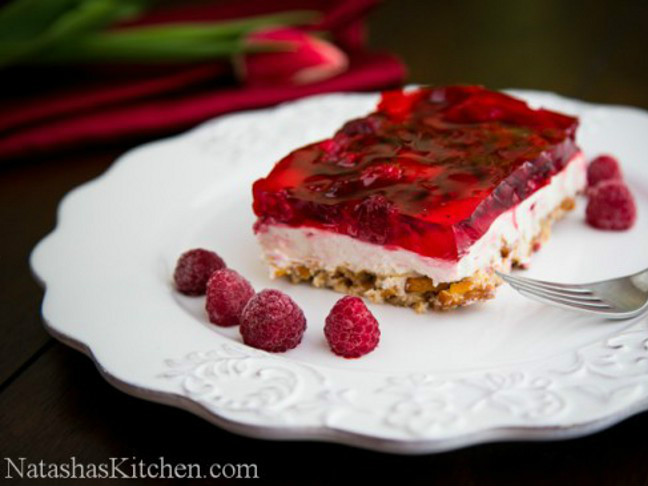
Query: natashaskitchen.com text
(125, 468)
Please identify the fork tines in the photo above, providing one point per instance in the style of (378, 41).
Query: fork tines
(571, 295)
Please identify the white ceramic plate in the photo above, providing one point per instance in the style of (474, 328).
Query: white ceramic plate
(506, 369)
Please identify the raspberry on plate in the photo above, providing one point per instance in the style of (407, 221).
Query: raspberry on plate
(193, 270)
(272, 321)
(351, 329)
(227, 295)
(610, 206)
(602, 168)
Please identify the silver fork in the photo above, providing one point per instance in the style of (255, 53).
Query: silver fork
(617, 298)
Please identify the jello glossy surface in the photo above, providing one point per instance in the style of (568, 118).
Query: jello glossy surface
(428, 171)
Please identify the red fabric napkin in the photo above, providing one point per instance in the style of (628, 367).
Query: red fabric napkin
(48, 110)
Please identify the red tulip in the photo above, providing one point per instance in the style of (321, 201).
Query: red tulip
(301, 58)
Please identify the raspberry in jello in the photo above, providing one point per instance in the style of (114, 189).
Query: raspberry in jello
(428, 171)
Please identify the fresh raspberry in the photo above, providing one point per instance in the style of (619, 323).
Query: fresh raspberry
(351, 329)
(602, 168)
(611, 206)
(193, 270)
(373, 219)
(227, 295)
(272, 321)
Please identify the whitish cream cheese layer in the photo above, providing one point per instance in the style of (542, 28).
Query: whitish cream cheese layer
(284, 246)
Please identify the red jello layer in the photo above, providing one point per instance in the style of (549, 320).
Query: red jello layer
(428, 171)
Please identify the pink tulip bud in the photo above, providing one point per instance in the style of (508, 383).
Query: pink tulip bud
(302, 59)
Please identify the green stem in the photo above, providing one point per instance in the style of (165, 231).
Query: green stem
(169, 42)
(86, 16)
(98, 49)
(214, 30)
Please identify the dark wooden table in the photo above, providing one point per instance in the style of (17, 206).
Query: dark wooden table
(53, 403)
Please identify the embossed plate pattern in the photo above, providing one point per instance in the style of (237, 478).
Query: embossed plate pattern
(506, 369)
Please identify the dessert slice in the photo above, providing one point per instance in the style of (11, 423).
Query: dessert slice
(417, 203)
